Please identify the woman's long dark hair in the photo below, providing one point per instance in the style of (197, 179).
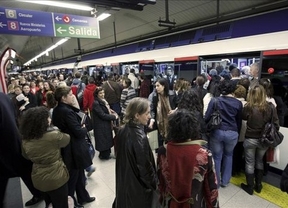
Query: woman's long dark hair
(164, 82)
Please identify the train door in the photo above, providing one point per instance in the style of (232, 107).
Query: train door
(187, 67)
(147, 67)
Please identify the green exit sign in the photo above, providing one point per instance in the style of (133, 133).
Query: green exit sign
(64, 30)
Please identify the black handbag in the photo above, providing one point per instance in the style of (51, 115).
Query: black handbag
(215, 118)
(271, 137)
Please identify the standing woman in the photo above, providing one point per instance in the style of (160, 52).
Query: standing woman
(135, 166)
(102, 124)
(257, 112)
(76, 155)
(223, 140)
(163, 103)
(42, 145)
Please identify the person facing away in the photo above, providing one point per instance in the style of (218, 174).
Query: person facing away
(12, 163)
(258, 111)
(186, 170)
(135, 165)
(224, 139)
(128, 93)
(42, 144)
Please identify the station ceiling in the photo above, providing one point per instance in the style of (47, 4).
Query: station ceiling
(130, 21)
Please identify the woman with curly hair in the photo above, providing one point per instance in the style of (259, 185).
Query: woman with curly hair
(191, 102)
(223, 139)
(42, 145)
(185, 168)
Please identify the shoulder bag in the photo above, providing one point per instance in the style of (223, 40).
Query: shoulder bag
(215, 118)
(270, 136)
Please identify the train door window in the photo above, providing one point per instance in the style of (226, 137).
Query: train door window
(126, 67)
(164, 70)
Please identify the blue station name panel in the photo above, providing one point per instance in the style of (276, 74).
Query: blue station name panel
(26, 22)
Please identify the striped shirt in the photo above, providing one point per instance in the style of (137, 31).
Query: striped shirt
(127, 95)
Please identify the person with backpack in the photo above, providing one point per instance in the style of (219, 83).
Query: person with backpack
(77, 88)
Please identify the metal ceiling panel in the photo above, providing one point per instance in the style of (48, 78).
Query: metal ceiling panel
(130, 25)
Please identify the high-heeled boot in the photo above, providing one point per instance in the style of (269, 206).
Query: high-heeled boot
(250, 183)
(258, 180)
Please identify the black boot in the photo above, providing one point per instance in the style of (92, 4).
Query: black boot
(250, 184)
(258, 180)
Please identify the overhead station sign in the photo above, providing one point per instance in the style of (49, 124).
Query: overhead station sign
(35, 23)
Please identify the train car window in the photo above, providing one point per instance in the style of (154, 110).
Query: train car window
(126, 67)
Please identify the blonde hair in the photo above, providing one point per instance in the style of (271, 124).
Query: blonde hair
(257, 98)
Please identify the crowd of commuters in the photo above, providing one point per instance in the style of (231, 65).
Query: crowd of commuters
(47, 111)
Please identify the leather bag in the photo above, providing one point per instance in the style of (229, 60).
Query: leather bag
(215, 118)
(271, 137)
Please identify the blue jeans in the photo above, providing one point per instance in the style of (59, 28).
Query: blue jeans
(254, 152)
(222, 144)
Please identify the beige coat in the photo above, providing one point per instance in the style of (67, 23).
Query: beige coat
(49, 171)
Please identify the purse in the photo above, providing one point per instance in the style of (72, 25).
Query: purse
(271, 137)
(215, 118)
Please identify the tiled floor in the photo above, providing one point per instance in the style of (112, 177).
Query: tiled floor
(102, 185)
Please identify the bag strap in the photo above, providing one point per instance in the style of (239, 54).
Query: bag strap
(110, 86)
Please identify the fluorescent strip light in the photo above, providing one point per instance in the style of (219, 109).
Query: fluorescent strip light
(103, 16)
(60, 42)
(60, 4)
(46, 52)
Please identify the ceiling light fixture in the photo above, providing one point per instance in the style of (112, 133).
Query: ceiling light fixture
(60, 42)
(103, 16)
(60, 4)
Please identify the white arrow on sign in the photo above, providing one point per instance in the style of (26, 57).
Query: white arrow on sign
(2, 13)
(58, 18)
(60, 30)
(2, 25)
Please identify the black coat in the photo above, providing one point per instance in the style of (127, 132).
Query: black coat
(76, 153)
(102, 125)
(12, 163)
(135, 169)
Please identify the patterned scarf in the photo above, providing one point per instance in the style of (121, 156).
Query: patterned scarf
(163, 109)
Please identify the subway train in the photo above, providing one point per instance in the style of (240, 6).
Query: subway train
(239, 42)
(270, 49)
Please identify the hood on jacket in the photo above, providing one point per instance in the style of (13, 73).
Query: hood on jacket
(91, 87)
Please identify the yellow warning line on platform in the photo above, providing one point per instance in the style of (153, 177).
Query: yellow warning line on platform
(269, 192)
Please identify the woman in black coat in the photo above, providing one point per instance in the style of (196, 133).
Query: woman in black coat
(102, 124)
(135, 165)
(76, 154)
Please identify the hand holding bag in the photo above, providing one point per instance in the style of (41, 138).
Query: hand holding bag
(215, 118)
(271, 137)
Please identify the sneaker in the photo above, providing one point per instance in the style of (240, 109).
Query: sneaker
(92, 170)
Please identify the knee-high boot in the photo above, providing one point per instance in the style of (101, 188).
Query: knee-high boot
(258, 180)
(250, 183)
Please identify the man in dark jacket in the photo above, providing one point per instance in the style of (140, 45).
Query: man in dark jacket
(12, 163)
